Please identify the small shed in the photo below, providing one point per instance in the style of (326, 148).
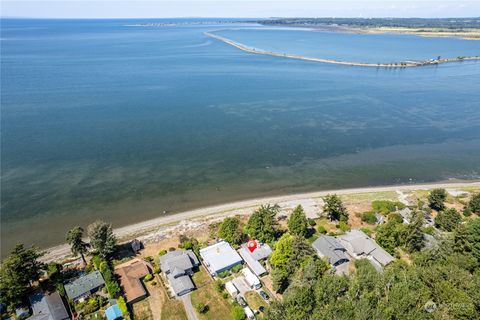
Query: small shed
(231, 289)
(113, 312)
(248, 312)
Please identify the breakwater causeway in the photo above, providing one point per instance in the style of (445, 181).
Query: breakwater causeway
(401, 64)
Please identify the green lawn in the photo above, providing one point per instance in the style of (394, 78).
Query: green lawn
(201, 277)
(217, 305)
(254, 300)
(173, 310)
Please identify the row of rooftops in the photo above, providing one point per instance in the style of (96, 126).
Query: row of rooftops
(354, 244)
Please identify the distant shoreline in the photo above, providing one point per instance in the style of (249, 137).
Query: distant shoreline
(154, 228)
(401, 64)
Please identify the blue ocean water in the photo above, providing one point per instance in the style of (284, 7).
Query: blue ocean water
(105, 119)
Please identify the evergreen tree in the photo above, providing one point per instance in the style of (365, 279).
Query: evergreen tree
(413, 236)
(17, 273)
(231, 231)
(474, 203)
(298, 223)
(102, 238)
(78, 246)
(262, 224)
(334, 208)
(436, 199)
(448, 220)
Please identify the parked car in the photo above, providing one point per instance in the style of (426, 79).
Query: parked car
(264, 295)
(261, 309)
(241, 301)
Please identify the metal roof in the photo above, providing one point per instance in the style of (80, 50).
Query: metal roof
(262, 251)
(113, 312)
(253, 264)
(220, 256)
(84, 284)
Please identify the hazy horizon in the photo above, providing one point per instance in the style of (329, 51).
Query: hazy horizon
(148, 9)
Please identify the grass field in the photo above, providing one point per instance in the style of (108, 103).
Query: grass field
(218, 307)
(173, 310)
(254, 300)
(201, 277)
(141, 311)
(369, 196)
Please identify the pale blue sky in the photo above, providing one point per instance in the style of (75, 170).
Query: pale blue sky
(235, 8)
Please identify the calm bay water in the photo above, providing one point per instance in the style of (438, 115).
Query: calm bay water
(105, 120)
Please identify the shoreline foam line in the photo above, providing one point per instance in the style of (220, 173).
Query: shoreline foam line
(402, 64)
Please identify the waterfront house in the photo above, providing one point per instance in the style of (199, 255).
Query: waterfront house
(262, 252)
(82, 287)
(178, 267)
(130, 275)
(48, 306)
(359, 245)
(220, 257)
(330, 248)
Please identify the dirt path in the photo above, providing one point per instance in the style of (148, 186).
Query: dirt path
(187, 303)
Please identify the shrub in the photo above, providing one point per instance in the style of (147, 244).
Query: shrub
(122, 305)
(149, 259)
(104, 266)
(385, 206)
(237, 268)
(223, 274)
(322, 230)
(395, 217)
(448, 220)
(148, 277)
(474, 204)
(153, 283)
(344, 226)
(96, 260)
(311, 222)
(218, 285)
(369, 217)
(467, 212)
(331, 233)
(238, 313)
(157, 269)
(162, 252)
(367, 231)
(201, 307)
(429, 230)
(225, 295)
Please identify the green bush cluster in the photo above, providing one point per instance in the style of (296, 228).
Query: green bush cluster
(369, 217)
(385, 206)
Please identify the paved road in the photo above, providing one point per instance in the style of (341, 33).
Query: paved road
(191, 315)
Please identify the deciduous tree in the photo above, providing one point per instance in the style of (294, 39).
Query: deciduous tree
(231, 231)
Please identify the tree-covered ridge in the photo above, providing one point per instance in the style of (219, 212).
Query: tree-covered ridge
(449, 23)
(440, 283)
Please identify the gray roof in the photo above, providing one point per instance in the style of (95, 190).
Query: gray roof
(48, 307)
(220, 256)
(406, 214)
(358, 243)
(262, 251)
(329, 247)
(253, 264)
(84, 284)
(178, 260)
(180, 285)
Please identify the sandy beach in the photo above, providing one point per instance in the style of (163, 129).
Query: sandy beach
(151, 230)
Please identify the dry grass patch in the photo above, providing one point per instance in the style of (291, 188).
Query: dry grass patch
(201, 277)
(173, 310)
(217, 305)
(141, 310)
(254, 300)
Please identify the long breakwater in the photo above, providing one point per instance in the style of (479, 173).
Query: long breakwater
(402, 64)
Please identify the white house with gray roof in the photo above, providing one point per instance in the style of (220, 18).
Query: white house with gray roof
(84, 286)
(359, 245)
(330, 248)
(178, 267)
(220, 257)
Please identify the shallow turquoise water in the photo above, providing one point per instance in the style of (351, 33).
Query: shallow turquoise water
(101, 119)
